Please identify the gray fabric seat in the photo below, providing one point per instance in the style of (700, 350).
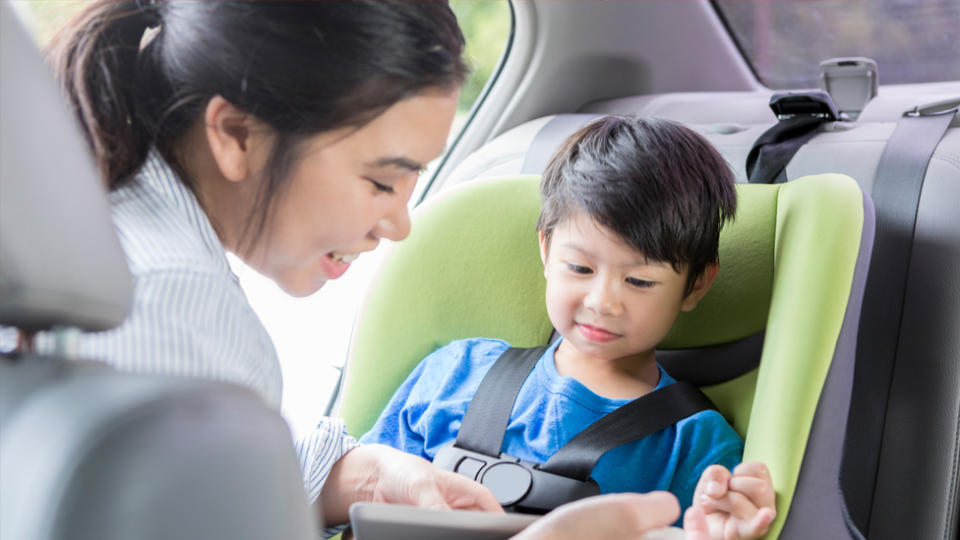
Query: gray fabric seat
(85, 452)
(915, 494)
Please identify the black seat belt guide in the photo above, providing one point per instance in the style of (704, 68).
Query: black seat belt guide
(799, 114)
(896, 196)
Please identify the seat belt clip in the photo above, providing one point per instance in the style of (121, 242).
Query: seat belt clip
(519, 486)
(814, 103)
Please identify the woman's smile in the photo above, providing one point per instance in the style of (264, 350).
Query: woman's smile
(336, 264)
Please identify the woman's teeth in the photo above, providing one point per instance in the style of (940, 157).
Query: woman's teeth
(344, 257)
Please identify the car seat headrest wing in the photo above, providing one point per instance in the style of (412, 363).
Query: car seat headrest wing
(60, 259)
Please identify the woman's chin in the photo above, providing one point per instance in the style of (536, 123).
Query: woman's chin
(300, 288)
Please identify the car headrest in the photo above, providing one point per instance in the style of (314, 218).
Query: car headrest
(60, 260)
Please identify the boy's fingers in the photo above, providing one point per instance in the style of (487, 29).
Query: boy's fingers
(756, 469)
(736, 504)
(759, 525)
(757, 490)
(695, 525)
(713, 482)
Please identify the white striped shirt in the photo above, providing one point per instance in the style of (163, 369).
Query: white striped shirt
(190, 316)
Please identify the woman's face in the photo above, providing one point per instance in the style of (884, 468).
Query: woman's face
(348, 189)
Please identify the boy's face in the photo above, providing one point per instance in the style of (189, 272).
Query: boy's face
(607, 301)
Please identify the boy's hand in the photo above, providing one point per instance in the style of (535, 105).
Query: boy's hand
(731, 507)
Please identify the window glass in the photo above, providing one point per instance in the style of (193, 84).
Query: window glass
(912, 41)
(43, 17)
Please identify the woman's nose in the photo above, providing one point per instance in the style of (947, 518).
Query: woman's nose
(394, 226)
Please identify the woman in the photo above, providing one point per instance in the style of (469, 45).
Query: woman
(290, 134)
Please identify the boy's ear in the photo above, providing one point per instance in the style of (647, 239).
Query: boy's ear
(700, 287)
(544, 247)
(232, 136)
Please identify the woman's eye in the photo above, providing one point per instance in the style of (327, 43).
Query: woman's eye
(380, 186)
(577, 269)
(641, 283)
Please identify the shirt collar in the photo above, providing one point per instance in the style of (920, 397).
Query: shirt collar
(159, 176)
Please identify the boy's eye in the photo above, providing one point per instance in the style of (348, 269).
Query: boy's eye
(641, 283)
(577, 269)
(380, 186)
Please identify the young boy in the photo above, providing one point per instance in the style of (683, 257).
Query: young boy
(631, 215)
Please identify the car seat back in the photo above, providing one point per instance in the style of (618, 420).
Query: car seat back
(786, 298)
(915, 410)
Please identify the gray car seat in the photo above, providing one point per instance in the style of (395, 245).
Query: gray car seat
(903, 439)
(87, 453)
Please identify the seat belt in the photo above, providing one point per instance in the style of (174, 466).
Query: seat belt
(799, 115)
(485, 422)
(896, 196)
(530, 487)
(643, 416)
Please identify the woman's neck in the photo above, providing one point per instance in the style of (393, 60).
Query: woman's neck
(220, 198)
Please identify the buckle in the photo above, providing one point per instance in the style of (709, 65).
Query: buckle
(814, 103)
(937, 108)
(519, 486)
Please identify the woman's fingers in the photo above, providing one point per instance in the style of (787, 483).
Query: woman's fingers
(616, 516)
(463, 493)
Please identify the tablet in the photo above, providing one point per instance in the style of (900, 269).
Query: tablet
(373, 521)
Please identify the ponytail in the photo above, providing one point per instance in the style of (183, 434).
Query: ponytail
(301, 67)
(94, 58)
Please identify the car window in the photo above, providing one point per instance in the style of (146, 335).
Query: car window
(912, 41)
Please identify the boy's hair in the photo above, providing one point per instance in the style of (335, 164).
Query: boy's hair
(660, 186)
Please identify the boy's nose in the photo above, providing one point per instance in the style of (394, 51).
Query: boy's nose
(603, 298)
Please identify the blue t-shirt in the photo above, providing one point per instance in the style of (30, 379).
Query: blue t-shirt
(426, 411)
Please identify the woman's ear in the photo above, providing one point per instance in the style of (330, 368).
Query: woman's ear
(700, 287)
(229, 132)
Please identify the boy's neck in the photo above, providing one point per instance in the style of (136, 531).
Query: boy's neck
(620, 378)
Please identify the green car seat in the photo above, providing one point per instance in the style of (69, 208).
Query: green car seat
(772, 344)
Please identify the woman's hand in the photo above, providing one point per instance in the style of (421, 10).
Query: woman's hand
(378, 473)
(616, 516)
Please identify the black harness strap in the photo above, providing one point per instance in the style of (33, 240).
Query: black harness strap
(487, 416)
(643, 416)
(485, 421)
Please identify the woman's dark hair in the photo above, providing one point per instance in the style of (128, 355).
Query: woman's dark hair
(661, 187)
(301, 67)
